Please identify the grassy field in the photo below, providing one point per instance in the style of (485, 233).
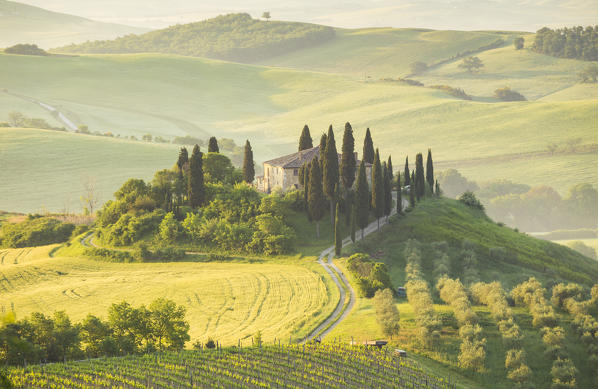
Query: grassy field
(47, 170)
(225, 300)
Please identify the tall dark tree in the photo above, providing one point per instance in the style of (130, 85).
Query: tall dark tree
(338, 238)
(348, 162)
(387, 191)
(330, 176)
(323, 139)
(430, 170)
(389, 165)
(315, 196)
(420, 176)
(399, 195)
(213, 145)
(362, 199)
(196, 190)
(437, 189)
(305, 141)
(353, 223)
(407, 173)
(183, 158)
(377, 188)
(248, 164)
(306, 168)
(368, 147)
(412, 196)
(413, 183)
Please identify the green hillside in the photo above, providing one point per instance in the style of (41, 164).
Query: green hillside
(21, 23)
(47, 170)
(444, 220)
(233, 37)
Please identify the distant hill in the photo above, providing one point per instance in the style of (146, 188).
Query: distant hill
(21, 23)
(233, 37)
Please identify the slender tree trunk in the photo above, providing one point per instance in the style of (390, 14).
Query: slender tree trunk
(332, 213)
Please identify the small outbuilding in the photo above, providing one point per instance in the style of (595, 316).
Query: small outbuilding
(401, 291)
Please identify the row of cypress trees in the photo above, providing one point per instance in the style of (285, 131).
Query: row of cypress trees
(324, 180)
(190, 170)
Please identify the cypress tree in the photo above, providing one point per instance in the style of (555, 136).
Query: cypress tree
(411, 196)
(305, 141)
(399, 195)
(315, 196)
(349, 199)
(348, 163)
(419, 176)
(362, 199)
(353, 223)
(368, 147)
(430, 170)
(413, 183)
(389, 165)
(248, 165)
(387, 192)
(437, 189)
(407, 173)
(196, 185)
(183, 158)
(322, 145)
(330, 176)
(377, 188)
(213, 145)
(338, 238)
(305, 182)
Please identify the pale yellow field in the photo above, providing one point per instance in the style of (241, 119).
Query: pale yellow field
(225, 301)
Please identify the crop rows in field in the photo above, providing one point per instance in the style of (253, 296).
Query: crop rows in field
(282, 366)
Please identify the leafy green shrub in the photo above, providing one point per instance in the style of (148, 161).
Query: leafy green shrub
(507, 94)
(35, 231)
(456, 92)
(130, 228)
(387, 313)
(25, 49)
(371, 276)
(469, 199)
(109, 255)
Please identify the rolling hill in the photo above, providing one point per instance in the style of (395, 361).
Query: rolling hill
(445, 220)
(168, 95)
(21, 23)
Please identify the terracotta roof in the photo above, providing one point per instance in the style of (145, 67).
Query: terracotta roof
(296, 160)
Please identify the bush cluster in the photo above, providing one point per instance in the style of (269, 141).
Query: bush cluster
(473, 346)
(234, 218)
(420, 298)
(442, 262)
(570, 298)
(576, 42)
(128, 330)
(35, 231)
(370, 276)
(456, 92)
(387, 313)
(494, 296)
(507, 94)
(531, 294)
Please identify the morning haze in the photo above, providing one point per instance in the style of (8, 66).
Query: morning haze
(299, 194)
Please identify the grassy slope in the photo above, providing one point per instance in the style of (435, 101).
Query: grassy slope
(21, 23)
(383, 52)
(448, 220)
(44, 169)
(225, 300)
(536, 76)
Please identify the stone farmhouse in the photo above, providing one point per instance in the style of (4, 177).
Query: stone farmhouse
(283, 172)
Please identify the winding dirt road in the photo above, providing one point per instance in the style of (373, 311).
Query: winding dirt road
(343, 284)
